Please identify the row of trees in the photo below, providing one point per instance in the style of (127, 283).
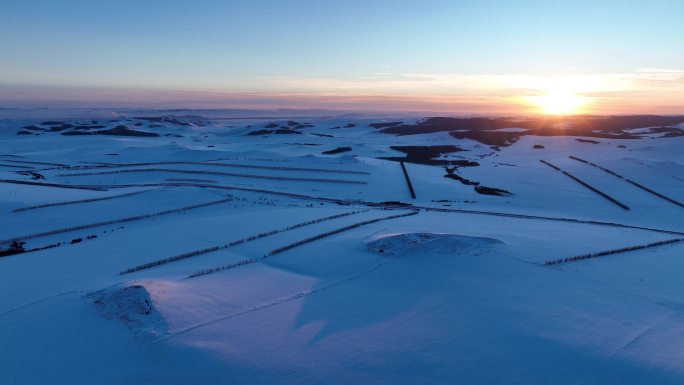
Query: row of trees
(597, 166)
(235, 242)
(611, 252)
(344, 202)
(224, 267)
(199, 172)
(556, 219)
(659, 195)
(650, 191)
(298, 243)
(337, 231)
(56, 185)
(17, 166)
(587, 185)
(115, 221)
(27, 208)
(234, 165)
(39, 163)
(15, 247)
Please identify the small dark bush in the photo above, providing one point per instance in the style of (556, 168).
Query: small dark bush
(337, 150)
(16, 247)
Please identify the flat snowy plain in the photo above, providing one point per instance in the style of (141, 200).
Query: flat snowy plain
(234, 251)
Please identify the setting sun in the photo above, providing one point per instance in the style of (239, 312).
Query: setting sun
(560, 102)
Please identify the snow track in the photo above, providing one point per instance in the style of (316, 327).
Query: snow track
(279, 301)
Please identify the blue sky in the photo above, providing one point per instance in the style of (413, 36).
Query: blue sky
(302, 47)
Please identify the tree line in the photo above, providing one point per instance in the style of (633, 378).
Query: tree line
(559, 261)
(296, 244)
(235, 242)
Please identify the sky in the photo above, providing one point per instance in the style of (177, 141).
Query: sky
(485, 56)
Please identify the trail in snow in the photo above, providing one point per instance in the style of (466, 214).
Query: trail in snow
(289, 298)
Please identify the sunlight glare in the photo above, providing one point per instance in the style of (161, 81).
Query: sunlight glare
(560, 102)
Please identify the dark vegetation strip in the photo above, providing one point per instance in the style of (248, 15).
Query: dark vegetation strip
(550, 165)
(41, 163)
(295, 179)
(81, 201)
(235, 165)
(86, 167)
(656, 169)
(56, 185)
(343, 202)
(659, 195)
(106, 187)
(408, 180)
(358, 202)
(559, 261)
(555, 219)
(299, 243)
(235, 243)
(639, 185)
(597, 166)
(587, 185)
(375, 204)
(114, 221)
(17, 166)
(337, 231)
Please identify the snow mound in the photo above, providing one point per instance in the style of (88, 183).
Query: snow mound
(407, 244)
(132, 305)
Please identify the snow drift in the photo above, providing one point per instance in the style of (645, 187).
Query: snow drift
(132, 305)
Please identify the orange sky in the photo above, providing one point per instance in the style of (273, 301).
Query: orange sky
(645, 90)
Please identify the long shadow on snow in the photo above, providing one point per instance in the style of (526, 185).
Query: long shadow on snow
(376, 294)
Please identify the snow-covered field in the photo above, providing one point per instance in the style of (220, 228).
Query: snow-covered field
(160, 249)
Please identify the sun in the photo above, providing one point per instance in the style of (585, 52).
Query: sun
(560, 102)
